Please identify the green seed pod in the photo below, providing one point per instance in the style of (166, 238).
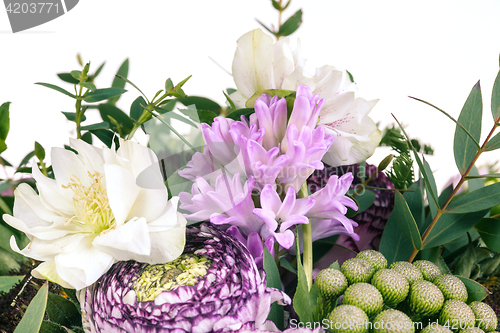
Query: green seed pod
(428, 269)
(348, 319)
(486, 318)
(393, 321)
(364, 296)
(331, 283)
(456, 315)
(472, 330)
(410, 272)
(451, 287)
(392, 285)
(435, 328)
(425, 298)
(357, 270)
(375, 258)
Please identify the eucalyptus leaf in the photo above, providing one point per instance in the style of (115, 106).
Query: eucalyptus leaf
(287, 265)
(97, 72)
(451, 226)
(87, 137)
(406, 221)
(67, 77)
(291, 25)
(39, 151)
(364, 201)
(71, 116)
(76, 75)
(470, 117)
(105, 136)
(475, 290)
(103, 125)
(236, 115)
(265, 27)
(276, 315)
(63, 311)
(102, 94)
(493, 143)
(495, 99)
(4, 120)
(474, 183)
(137, 108)
(108, 110)
(206, 116)
(89, 85)
(273, 92)
(201, 103)
(7, 282)
(489, 229)
(466, 262)
(33, 317)
(50, 327)
(480, 199)
(56, 88)
(123, 72)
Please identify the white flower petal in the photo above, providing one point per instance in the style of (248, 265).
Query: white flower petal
(45, 250)
(67, 166)
(170, 218)
(283, 64)
(297, 78)
(336, 109)
(238, 99)
(167, 245)
(252, 64)
(122, 191)
(83, 266)
(51, 194)
(90, 156)
(127, 242)
(48, 270)
(329, 80)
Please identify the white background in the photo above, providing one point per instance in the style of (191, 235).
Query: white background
(434, 50)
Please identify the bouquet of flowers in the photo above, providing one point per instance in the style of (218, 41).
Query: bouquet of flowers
(262, 215)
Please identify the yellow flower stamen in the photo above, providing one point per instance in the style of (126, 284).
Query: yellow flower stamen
(92, 211)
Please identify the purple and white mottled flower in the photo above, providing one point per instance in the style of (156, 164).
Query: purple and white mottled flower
(279, 216)
(213, 287)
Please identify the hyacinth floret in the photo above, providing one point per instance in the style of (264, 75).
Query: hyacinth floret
(227, 296)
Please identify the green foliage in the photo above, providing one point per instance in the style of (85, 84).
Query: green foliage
(63, 311)
(304, 299)
(276, 315)
(4, 125)
(475, 290)
(489, 229)
(118, 82)
(406, 221)
(495, 100)
(7, 282)
(33, 317)
(102, 94)
(470, 118)
(291, 25)
(56, 88)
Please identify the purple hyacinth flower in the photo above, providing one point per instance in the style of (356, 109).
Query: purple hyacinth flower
(271, 114)
(306, 108)
(254, 244)
(279, 216)
(213, 287)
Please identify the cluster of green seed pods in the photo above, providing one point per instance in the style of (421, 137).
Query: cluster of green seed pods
(402, 298)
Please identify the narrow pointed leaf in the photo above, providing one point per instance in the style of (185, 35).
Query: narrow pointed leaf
(33, 317)
(470, 117)
(67, 77)
(483, 198)
(476, 291)
(89, 85)
(265, 27)
(451, 226)
(4, 120)
(291, 25)
(493, 143)
(489, 229)
(201, 103)
(103, 125)
(276, 315)
(61, 90)
(118, 82)
(406, 221)
(474, 183)
(102, 94)
(97, 72)
(286, 265)
(489, 175)
(495, 99)
(431, 188)
(71, 116)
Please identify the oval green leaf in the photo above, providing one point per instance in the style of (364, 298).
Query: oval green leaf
(4, 120)
(33, 317)
(493, 143)
(103, 125)
(108, 110)
(102, 94)
(470, 118)
(476, 291)
(489, 229)
(67, 77)
(480, 199)
(201, 103)
(291, 25)
(63, 311)
(495, 99)
(7, 282)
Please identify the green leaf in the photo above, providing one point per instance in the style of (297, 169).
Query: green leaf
(291, 25)
(431, 254)
(364, 202)
(67, 77)
(71, 116)
(489, 229)
(103, 125)
(121, 117)
(276, 4)
(322, 246)
(335, 265)
(490, 175)
(201, 103)
(286, 265)
(466, 262)
(475, 290)
(102, 94)
(137, 108)
(63, 311)
(495, 99)
(4, 120)
(61, 90)
(89, 85)
(118, 82)
(7, 282)
(104, 135)
(406, 221)
(265, 27)
(236, 115)
(431, 188)
(33, 317)
(480, 199)
(273, 280)
(493, 143)
(168, 84)
(39, 151)
(470, 117)
(451, 226)
(206, 116)
(92, 77)
(27, 158)
(76, 75)
(394, 245)
(442, 266)
(50, 327)
(87, 137)
(475, 183)
(273, 92)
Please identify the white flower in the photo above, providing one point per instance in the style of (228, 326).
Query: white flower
(100, 208)
(259, 64)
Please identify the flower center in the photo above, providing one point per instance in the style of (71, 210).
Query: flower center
(183, 271)
(92, 210)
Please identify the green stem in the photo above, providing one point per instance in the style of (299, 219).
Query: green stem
(441, 210)
(79, 113)
(307, 242)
